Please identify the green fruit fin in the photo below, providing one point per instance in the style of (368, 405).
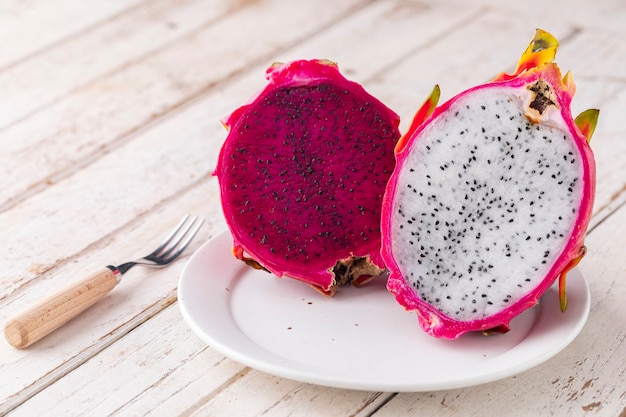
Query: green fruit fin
(587, 121)
(563, 277)
(541, 50)
(422, 114)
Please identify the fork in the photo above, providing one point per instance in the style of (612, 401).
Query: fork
(42, 319)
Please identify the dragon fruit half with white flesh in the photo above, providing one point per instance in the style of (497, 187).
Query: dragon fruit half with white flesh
(302, 175)
(490, 198)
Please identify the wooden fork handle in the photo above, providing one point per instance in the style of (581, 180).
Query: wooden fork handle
(42, 319)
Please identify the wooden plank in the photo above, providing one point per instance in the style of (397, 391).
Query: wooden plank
(601, 15)
(171, 169)
(569, 378)
(161, 368)
(39, 80)
(141, 379)
(610, 154)
(268, 395)
(377, 38)
(104, 332)
(142, 293)
(480, 58)
(197, 124)
(101, 115)
(588, 377)
(473, 30)
(203, 121)
(46, 258)
(27, 27)
(599, 84)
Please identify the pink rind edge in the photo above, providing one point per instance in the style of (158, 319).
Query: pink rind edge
(292, 74)
(432, 320)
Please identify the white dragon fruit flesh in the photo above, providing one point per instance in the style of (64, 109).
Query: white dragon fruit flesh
(490, 198)
(302, 175)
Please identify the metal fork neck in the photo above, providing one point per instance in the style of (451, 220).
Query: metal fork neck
(120, 270)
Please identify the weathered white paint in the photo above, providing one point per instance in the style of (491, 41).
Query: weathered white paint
(109, 130)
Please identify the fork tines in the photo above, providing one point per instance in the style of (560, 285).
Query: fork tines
(178, 239)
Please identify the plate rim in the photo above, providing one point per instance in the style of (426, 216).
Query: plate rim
(287, 368)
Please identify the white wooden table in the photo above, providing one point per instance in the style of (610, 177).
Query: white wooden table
(109, 130)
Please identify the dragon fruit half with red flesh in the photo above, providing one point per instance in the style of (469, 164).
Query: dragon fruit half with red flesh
(490, 198)
(302, 175)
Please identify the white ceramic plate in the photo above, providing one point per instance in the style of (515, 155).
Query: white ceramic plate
(361, 338)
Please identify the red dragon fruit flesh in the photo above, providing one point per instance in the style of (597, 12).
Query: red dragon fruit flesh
(302, 175)
(490, 199)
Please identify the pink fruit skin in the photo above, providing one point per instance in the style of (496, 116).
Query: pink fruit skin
(315, 271)
(431, 319)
